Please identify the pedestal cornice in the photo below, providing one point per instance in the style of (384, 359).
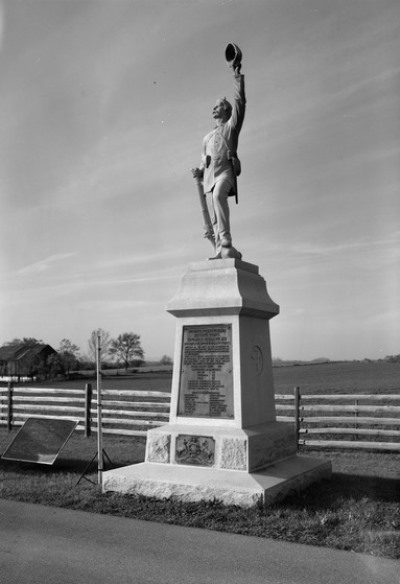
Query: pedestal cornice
(221, 287)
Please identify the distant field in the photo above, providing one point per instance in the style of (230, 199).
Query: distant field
(339, 377)
(137, 381)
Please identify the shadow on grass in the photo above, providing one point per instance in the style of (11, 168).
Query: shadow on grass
(373, 487)
(330, 493)
(61, 465)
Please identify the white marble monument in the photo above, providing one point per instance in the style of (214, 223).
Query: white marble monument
(222, 440)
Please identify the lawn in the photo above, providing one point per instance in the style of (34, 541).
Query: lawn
(357, 510)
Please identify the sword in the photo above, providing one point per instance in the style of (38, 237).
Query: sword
(208, 228)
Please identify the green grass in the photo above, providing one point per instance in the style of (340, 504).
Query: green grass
(339, 377)
(357, 510)
(333, 377)
(154, 381)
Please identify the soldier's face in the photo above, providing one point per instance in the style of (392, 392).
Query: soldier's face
(218, 110)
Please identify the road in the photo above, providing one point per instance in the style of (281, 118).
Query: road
(47, 545)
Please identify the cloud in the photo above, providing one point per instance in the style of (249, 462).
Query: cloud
(90, 287)
(112, 306)
(390, 245)
(44, 265)
(144, 259)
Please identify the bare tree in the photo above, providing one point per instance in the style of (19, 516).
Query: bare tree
(105, 342)
(127, 347)
(68, 353)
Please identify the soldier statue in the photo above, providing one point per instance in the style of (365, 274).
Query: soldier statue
(220, 166)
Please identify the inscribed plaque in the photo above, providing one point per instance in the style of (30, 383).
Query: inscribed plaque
(206, 376)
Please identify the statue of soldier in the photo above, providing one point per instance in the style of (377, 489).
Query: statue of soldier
(220, 165)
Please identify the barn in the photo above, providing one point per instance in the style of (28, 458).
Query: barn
(21, 361)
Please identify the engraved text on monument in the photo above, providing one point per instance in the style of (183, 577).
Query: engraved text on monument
(206, 381)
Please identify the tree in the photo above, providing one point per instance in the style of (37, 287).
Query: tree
(25, 342)
(126, 347)
(393, 358)
(68, 353)
(54, 366)
(165, 360)
(105, 342)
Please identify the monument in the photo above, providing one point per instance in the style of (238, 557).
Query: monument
(222, 440)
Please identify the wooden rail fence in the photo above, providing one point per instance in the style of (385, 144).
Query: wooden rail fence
(123, 412)
(356, 421)
(340, 421)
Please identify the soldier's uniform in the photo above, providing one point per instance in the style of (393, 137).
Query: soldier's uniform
(219, 178)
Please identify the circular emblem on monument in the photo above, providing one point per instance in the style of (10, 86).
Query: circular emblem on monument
(257, 356)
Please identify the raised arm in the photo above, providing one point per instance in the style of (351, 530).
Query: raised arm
(239, 100)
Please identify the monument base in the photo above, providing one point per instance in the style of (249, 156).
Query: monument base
(221, 447)
(223, 440)
(237, 466)
(231, 487)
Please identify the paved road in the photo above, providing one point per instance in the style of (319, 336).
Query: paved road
(45, 545)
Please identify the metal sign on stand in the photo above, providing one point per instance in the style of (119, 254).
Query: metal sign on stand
(40, 440)
(100, 454)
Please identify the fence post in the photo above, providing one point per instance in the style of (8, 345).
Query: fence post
(10, 406)
(355, 436)
(297, 414)
(88, 408)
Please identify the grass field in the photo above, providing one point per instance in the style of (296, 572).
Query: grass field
(358, 509)
(335, 377)
(339, 377)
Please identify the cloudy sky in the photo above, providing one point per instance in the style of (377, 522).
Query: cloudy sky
(103, 107)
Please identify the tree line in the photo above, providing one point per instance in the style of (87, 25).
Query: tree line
(125, 350)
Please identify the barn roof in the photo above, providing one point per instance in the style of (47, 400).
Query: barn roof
(17, 352)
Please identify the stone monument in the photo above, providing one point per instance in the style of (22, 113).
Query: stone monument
(222, 440)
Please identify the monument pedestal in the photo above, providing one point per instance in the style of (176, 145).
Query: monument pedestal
(222, 441)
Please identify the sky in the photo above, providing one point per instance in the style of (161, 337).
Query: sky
(103, 108)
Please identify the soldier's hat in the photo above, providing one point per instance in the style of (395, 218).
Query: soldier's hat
(233, 55)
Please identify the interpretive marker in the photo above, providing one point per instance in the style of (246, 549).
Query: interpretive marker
(206, 377)
(40, 440)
